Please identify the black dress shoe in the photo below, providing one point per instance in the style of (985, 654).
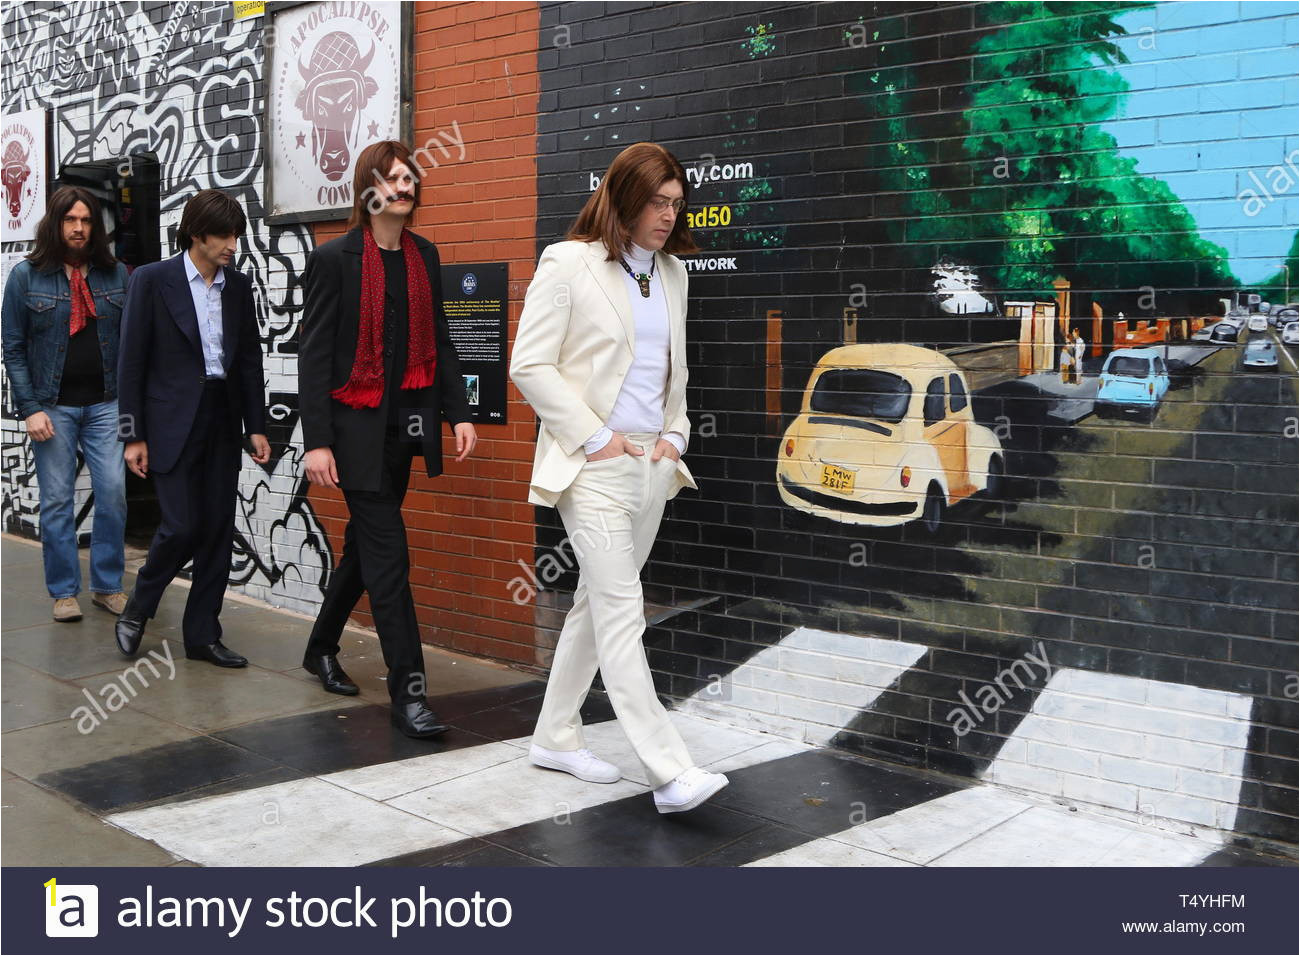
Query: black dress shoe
(129, 628)
(415, 719)
(332, 677)
(216, 653)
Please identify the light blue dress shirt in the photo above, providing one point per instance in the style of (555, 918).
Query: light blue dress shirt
(207, 306)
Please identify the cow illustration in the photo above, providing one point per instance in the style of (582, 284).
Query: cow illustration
(337, 90)
(15, 175)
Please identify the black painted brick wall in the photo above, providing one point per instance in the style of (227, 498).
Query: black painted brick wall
(1163, 550)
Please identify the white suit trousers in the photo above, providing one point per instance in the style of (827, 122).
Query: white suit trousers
(611, 515)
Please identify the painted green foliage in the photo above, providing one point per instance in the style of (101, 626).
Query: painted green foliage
(1050, 194)
(1035, 131)
(761, 42)
(1281, 287)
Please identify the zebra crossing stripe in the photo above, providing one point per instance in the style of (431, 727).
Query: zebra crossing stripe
(385, 810)
(808, 686)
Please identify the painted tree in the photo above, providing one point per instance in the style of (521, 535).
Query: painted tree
(1281, 286)
(1050, 183)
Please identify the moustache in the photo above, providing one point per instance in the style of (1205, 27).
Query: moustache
(399, 197)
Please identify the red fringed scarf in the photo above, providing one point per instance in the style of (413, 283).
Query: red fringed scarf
(83, 303)
(365, 387)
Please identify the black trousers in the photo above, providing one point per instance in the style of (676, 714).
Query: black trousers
(375, 560)
(197, 501)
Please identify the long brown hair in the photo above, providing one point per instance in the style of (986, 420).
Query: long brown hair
(629, 183)
(48, 251)
(372, 167)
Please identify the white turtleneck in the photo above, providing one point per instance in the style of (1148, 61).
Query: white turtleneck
(640, 403)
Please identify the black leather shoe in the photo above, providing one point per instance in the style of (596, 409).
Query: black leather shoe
(129, 628)
(216, 653)
(415, 719)
(332, 677)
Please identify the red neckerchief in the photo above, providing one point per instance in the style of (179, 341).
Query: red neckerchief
(83, 303)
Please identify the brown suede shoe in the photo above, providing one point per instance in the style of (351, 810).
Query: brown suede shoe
(67, 610)
(112, 603)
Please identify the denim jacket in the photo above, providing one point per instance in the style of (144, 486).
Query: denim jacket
(37, 310)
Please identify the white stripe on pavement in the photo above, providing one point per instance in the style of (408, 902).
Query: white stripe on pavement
(384, 810)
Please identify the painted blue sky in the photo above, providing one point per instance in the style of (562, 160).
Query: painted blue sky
(1213, 97)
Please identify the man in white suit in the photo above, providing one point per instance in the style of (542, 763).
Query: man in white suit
(601, 357)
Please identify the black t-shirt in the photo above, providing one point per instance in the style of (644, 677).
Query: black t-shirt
(83, 369)
(396, 333)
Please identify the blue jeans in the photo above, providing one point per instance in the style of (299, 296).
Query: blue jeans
(93, 429)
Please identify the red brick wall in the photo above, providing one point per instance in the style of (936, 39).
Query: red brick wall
(475, 66)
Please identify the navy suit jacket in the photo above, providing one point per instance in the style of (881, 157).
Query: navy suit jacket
(160, 372)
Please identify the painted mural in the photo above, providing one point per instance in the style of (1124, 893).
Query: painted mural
(181, 83)
(992, 354)
(989, 384)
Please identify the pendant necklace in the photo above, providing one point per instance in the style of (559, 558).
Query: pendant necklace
(642, 278)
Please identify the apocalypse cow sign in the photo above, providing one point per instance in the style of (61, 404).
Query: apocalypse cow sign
(333, 87)
(22, 170)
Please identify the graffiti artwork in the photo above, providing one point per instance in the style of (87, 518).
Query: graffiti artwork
(200, 115)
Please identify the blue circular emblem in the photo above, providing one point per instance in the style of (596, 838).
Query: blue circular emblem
(468, 283)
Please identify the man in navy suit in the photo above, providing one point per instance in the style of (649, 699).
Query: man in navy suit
(190, 384)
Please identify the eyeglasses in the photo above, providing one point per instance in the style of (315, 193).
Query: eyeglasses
(661, 203)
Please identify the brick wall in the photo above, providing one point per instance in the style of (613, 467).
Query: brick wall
(918, 172)
(475, 76)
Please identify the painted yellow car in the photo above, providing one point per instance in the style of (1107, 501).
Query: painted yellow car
(885, 436)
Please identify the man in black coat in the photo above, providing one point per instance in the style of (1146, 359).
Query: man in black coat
(189, 385)
(377, 374)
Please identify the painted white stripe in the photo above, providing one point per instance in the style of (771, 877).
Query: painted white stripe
(925, 832)
(1143, 748)
(808, 686)
(385, 810)
(304, 822)
(827, 853)
(985, 826)
(1057, 836)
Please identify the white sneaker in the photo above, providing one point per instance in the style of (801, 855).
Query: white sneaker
(583, 764)
(688, 790)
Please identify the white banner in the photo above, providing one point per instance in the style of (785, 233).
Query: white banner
(22, 155)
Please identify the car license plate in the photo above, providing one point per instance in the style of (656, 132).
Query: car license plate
(838, 479)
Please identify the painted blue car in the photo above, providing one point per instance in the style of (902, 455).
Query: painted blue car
(1133, 381)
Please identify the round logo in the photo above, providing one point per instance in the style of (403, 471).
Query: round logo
(469, 283)
(22, 176)
(334, 91)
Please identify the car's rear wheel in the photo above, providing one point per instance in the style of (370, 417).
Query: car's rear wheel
(935, 507)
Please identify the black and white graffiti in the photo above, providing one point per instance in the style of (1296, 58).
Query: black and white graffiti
(182, 82)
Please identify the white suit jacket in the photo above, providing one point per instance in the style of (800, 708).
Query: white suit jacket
(574, 347)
